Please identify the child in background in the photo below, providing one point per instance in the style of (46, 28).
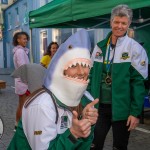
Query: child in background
(20, 57)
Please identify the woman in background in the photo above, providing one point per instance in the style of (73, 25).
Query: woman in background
(51, 50)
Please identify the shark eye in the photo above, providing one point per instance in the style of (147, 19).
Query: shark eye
(70, 47)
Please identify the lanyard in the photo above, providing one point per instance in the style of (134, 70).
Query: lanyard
(108, 63)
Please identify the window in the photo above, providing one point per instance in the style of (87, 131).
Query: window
(25, 19)
(1, 18)
(9, 21)
(43, 43)
(1, 32)
(4, 1)
(55, 35)
(17, 17)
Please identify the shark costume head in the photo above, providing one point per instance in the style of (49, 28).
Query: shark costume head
(75, 50)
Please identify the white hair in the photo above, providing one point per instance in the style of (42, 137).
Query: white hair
(121, 11)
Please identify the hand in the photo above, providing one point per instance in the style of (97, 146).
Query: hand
(132, 122)
(91, 113)
(80, 128)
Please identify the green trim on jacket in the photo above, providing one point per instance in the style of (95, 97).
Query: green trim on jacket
(63, 142)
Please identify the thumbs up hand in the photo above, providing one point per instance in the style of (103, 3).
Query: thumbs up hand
(91, 113)
(80, 128)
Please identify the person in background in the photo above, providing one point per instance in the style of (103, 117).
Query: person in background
(117, 80)
(51, 50)
(55, 117)
(20, 57)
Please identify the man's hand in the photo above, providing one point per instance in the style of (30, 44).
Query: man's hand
(91, 113)
(80, 128)
(132, 122)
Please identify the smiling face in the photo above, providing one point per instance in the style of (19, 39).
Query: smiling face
(119, 26)
(22, 40)
(78, 70)
(53, 49)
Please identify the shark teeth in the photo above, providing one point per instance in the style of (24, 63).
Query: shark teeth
(79, 63)
(70, 65)
(75, 63)
(76, 79)
(82, 62)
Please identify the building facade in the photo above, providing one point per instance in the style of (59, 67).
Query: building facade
(16, 19)
(3, 5)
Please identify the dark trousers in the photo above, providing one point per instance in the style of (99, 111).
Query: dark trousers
(119, 129)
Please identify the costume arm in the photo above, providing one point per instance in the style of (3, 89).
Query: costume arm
(39, 122)
(67, 141)
(139, 72)
(41, 130)
(86, 143)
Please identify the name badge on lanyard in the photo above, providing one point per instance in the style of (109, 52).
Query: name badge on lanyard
(108, 79)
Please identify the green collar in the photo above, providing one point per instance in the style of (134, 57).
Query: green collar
(104, 42)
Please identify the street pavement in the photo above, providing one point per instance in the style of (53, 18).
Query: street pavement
(139, 139)
(8, 106)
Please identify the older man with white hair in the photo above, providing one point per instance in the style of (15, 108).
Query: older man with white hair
(117, 80)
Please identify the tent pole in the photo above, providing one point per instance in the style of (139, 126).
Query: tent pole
(31, 54)
(135, 28)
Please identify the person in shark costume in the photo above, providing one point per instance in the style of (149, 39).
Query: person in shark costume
(57, 117)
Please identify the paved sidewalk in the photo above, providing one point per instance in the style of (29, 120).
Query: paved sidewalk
(8, 104)
(6, 71)
(139, 139)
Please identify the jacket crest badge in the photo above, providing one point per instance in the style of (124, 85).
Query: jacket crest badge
(125, 56)
(98, 55)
